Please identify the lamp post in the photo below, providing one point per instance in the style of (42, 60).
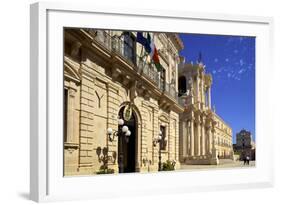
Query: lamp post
(122, 133)
(155, 141)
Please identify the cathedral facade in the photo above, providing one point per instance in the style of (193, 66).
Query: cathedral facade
(204, 136)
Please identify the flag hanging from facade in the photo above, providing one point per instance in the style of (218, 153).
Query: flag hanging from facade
(155, 57)
(150, 48)
(144, 41)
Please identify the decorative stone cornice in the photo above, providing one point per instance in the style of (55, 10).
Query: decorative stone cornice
(71, 146)
(175, 38)
(164, 118)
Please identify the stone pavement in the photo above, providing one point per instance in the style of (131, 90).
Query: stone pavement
(228, 164)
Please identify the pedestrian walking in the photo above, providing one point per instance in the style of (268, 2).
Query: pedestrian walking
(248, 160)
(244, 159)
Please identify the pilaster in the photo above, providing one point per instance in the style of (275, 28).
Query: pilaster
(198, 136)
(203, 140)
(192, 137)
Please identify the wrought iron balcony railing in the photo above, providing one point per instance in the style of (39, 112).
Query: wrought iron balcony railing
(140, 63)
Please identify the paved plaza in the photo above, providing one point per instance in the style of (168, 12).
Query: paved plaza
(233, 164)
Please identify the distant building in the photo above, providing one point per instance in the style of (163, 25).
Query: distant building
(245, 145)
(204, 136)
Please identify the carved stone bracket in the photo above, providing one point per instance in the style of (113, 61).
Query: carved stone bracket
(147, 93)
(116, 73)
(70, 147)
(75, 47)
(141, 89)
(126, 80)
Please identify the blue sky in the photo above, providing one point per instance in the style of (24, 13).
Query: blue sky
(231, 61)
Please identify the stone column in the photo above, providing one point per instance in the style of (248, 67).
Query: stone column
(192, 144)
(207, 140)
(209, 98)
(183, 125)
(214, 151)
(203, 140)
(202, 92)
(197, 89)
(210, 141)
(70, 115)
(198, 137)
(188, 137)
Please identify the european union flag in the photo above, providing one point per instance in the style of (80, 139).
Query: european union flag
(144, 41)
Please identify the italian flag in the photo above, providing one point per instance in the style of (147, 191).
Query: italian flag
(154, 54)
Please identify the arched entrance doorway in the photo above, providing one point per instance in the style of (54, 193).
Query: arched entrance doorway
(127, 149)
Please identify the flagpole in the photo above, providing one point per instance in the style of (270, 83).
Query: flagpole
(143, 62)
(141, 58)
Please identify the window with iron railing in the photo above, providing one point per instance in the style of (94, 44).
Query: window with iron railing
(130, 47)
(125, 46)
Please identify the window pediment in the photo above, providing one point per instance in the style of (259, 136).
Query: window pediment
(71, 72)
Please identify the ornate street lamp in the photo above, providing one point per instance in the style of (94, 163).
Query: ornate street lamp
(155, 141)
(123, 133)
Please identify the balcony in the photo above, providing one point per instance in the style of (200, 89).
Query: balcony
(116, 45)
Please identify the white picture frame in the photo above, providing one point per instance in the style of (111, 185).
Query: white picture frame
(46, 179)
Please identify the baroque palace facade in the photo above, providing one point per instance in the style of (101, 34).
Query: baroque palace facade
(204, 136)
(106, 77)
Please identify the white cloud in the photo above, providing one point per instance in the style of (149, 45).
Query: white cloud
(241, 62)
(229, 75)
(241, 71)
(226, 60)
(214, 71)
(235, 51)
(216, 60)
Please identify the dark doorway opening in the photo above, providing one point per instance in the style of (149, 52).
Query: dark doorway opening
(127, 149)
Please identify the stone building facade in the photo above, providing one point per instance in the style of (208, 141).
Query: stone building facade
(223, 139)
(105, 71)
(245, 145)
(204, 136)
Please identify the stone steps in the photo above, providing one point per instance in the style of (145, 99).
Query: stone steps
(225, 161)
